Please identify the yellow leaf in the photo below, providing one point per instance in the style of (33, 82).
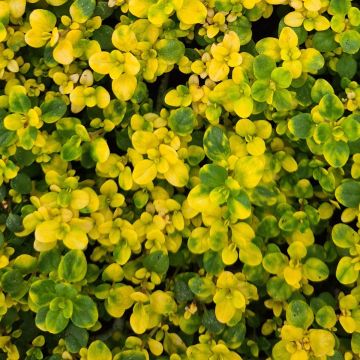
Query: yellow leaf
(225, 310)
(79, 199)
(47, 231)
(14, 121)
(139, 319)
(288, 38)
(348, 323)
(192, 12)
(178, 174)
(144, 172)
(42, 20)
(291, 333)
(17, 8)
(294, 19)
(322, 342)
(63, 52)
(101, 62)
(293, 276)
(123, 38)
(75, 239)
(143, 141)
(102, 97)
(124, 86)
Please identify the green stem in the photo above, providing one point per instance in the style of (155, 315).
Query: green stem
(161, 92)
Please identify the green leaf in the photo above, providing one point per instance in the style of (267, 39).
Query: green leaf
(12, 283)
(18, 100)
(282, 77)
(182, 121)
(211, 323)
(301, 125)
(98, 350)
(42, 292)
(355, 343)
(315, 270)
(299, 314)
(336, 153)
(71, 150)
(345, 271)
(216, 144)
(53, 110)
(212, 175)
(75, 338)
(170, 50)
(346, 66)
(49, 260)
(339, 7)
(55, 321)
(320, 88)
(326, 317)
(278, 289)
(21, 183)
(260, 90)
(331, 107)
(348, 193)
(344, 236)
(239, 205)
(73, 266)
(82, 10)
(324, 41)
(85, 313)
(275, 262)
(282, 100)
(263, 66)
(213, 264)
(14, 222)
(157, 261)
(350, 41)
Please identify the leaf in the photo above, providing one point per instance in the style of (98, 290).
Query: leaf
(212, 175)
(239, 205)
(249, 171)
(55, 321)
(21, 183)
(75, 338)
(331, 107)
(12, 283)
(216, 144)
(275, 262)
(157, 261)
(73, 266)
(299, 314)
(263, 66)
(336, 153)
(98, 350)
(315, 270)
(345, 271)
(53, 110)
(301, 125)
(182, 121)
(82, 10)
(42, 292)
(19, 102)
(85, 313)
(348, 193)
(344, 236)
(170, 50)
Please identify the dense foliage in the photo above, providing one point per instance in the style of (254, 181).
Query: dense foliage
(179, 179)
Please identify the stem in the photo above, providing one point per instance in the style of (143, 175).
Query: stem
(161, 92)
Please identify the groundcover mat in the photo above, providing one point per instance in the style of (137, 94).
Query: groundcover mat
(179, 179)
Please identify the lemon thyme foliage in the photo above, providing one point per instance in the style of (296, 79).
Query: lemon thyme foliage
(179, 180)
